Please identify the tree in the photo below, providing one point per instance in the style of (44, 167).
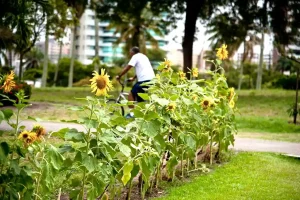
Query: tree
(33, 58)
(23, 21)
(135, 21)
(96, 58)
(78, 7)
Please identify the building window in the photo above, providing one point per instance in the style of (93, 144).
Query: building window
(106, 59)
(107, 49)
(162, 43)
(91, 47)
(92, 16)
(91, 27)
(106, 30)
(90, 37)
(109, 40)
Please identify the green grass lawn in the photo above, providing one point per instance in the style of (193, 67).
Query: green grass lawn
(265, 112)
(247, 176)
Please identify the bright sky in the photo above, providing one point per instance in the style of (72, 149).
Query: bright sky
(203, 42)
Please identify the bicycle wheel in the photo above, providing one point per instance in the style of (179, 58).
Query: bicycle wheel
(115, 108)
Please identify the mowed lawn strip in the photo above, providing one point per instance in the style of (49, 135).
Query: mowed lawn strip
(247, 176)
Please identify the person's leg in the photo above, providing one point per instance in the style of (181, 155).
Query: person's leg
(130, 98)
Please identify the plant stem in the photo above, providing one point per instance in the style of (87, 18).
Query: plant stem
(182, 174)
(211, 141)
(86, 150)
(129, 191)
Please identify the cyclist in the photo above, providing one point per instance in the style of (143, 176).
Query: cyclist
(144, 73)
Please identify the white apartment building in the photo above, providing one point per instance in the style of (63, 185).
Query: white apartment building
(85, 46)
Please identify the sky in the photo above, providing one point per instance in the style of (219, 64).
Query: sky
(202, 40)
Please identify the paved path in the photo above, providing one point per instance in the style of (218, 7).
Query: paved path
(241, 144)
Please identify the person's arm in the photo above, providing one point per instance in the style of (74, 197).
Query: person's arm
(124, 71)
(132, 78)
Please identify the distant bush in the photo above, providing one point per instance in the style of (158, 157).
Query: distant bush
(285, 82)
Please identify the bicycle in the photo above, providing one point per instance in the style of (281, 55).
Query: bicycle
(122, 96)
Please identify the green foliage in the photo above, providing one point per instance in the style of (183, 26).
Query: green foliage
(285, 82)
(180, 117)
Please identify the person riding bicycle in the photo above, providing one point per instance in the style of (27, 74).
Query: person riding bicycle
(144, 73)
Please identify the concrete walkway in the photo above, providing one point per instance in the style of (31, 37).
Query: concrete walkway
(241, 144)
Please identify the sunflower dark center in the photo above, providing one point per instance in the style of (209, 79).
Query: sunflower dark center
(206, 103)
(101, 83)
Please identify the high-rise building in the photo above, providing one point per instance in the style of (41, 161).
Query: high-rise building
(53, 49)
(85, 40)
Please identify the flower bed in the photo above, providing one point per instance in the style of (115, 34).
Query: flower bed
(180, 116)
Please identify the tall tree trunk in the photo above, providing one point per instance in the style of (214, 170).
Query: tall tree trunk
(295, 113)
(21, 66)
(193, 8)
(96, 67)
(57, 65)
(70, 84)
(261, 61)
(242, 66)
(45, 66)
(10, 57)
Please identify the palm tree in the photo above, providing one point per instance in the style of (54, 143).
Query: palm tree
(33, 59)
(96, 21)
(136, 29)
(78, 7)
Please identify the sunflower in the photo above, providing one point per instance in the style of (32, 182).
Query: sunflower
(195, 72)
(171, 106)
(9, 82)
(231, 94)
(39, 130)
(167, 65)
(157, 76)
(28, 137)
(222, 52)
(207, 102)
(195, 97)
(231, 103)
(100, 83)
(181, 75)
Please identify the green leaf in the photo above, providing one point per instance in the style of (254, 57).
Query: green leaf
(7, 114)
(89, 162)
(144, 167)
(124, 149)
(191, 143)
(172, 162)
(76, 108)
(138, 114)
(90, 123)
(4, 149)
(65, 148)
(150, 128)
(144, 96)
(174, 97)
(35, 119)
(74, 135)
(2, 117)
(61, 133)
(127, 172)
(20, 152)
(219, 62)
(151, 115)
(15, 166)
(55, 158)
